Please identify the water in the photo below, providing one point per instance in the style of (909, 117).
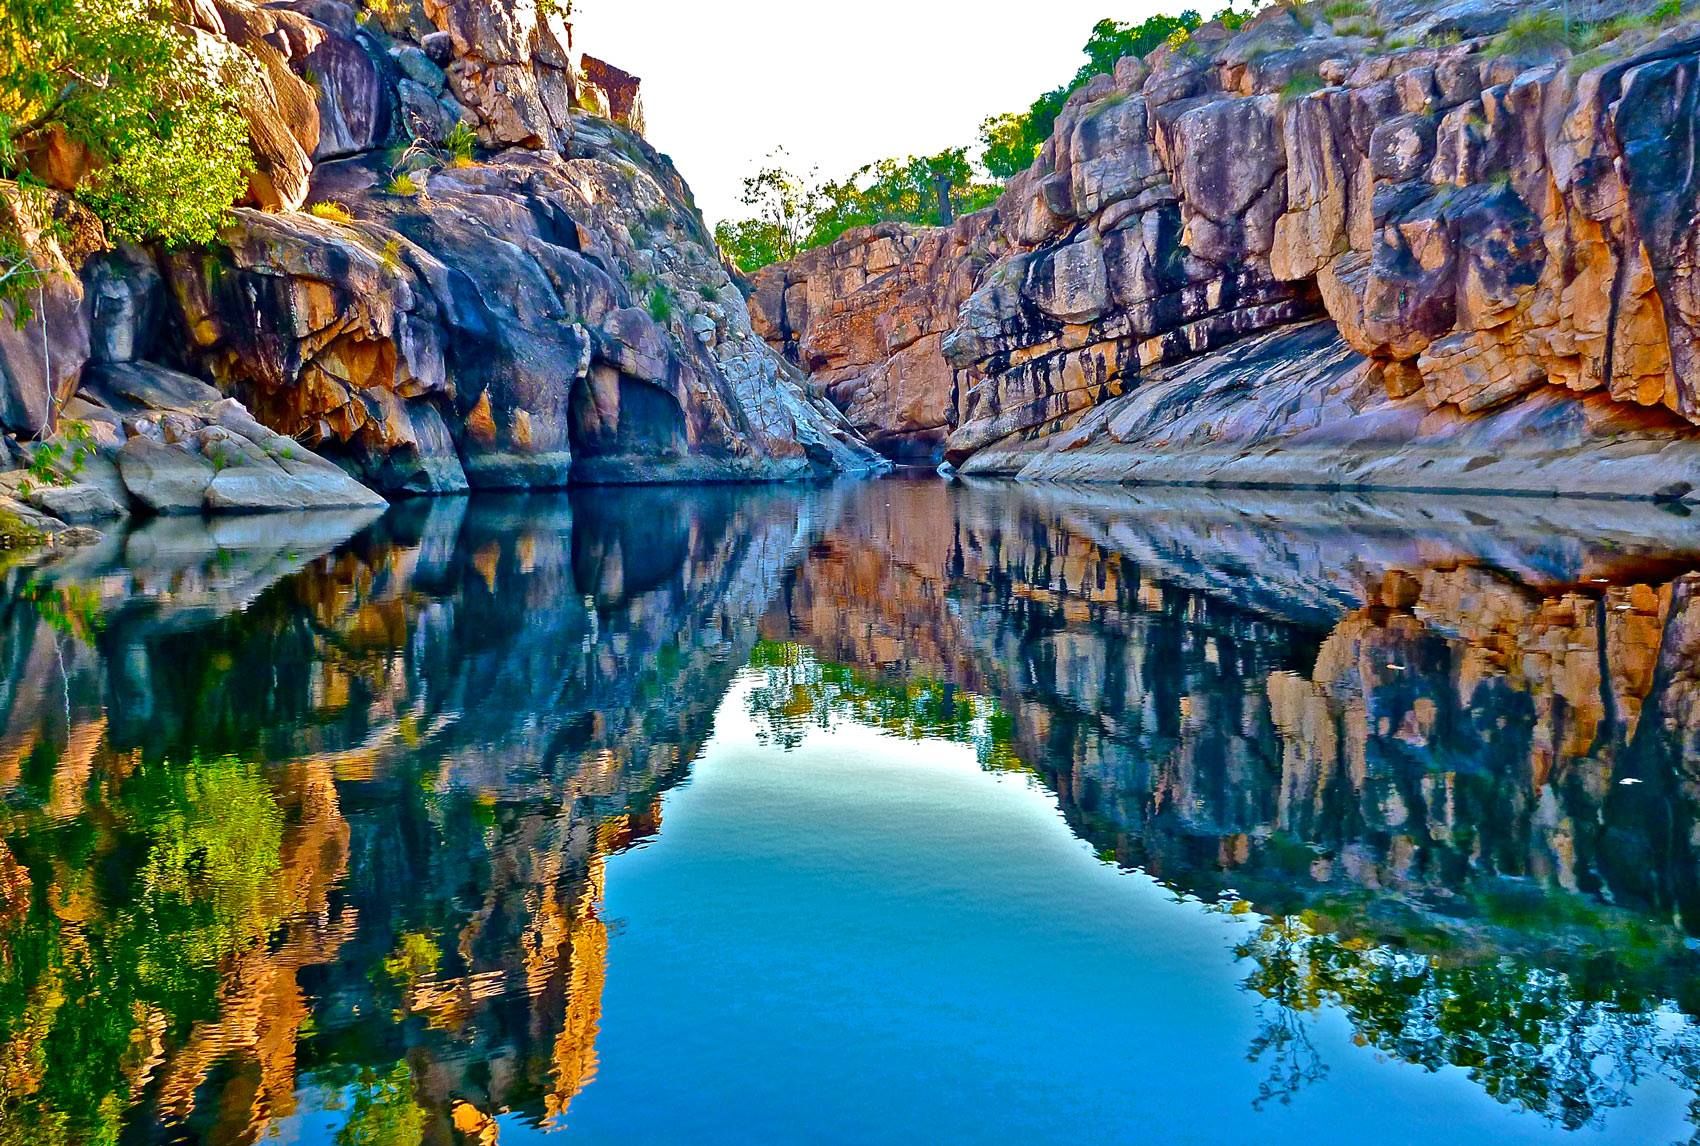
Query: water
(884, 812)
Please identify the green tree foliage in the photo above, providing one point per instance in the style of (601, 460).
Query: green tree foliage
(899, 190)
(794, 213)
(18, 276)
(158, 115)
(1006, 149)
(783, 206)
(1012, 141)
(751, 244)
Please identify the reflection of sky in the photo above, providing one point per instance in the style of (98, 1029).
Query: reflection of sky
(872, 939)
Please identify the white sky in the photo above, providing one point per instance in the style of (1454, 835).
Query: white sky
(839, 82)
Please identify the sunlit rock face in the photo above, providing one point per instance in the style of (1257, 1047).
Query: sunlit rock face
(456, 266)
(866, 317)
(1497, 239)
(495, 333)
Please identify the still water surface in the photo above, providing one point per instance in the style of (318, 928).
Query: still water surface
(884, 812)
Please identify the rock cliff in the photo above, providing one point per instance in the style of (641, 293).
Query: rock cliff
(458, 264)
(1407, 242)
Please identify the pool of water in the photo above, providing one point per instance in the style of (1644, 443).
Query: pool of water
(881, 812)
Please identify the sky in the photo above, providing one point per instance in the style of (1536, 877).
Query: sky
(838, 83)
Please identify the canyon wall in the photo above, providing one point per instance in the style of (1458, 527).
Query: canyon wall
(1306, 252)
(458, 264)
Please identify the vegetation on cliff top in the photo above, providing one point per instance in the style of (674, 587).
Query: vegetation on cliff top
(112, 96)
(1010, 142)
(792, 213)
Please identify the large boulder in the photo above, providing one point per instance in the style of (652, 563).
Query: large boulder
(511, 68)
(536, 319)
(45, 238)
(179, 446)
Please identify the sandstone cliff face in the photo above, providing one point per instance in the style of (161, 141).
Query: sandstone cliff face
(867, 317)
(1486, 227)
(546, 309)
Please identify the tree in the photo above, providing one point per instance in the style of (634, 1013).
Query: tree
(1006, 150)
(899, 190)
(158, 115)
(1011, 141)
(795, 214)
(784, 204)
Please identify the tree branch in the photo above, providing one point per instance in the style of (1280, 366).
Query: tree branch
(46, 116)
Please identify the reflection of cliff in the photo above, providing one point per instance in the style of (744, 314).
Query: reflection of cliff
(1295, 712)
(454, 719)
(329, 822)
(1456, 766)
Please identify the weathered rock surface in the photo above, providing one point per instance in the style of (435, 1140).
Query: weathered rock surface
(164, 442)
(539, 318)
(1488, 225)
(866, 316)
(611, 93)
(1295, 407)
(549, 309)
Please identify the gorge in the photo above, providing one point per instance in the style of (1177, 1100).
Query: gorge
(1303, 250)
(1204, 647)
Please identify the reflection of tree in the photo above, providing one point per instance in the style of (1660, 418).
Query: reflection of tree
(124, 918)
(802, 692)
(1532, 1037)
(1290, 992)
(384, 1111)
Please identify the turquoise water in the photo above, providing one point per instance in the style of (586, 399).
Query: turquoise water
(889, 812)
(867, 939)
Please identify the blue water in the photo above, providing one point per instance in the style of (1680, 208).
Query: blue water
(893, 812)
(868, 939)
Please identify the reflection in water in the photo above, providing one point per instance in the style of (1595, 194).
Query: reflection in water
(800, 692)
(306, 825)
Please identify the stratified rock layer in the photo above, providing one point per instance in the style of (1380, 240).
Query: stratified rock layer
(866, 317)
(1489, 226)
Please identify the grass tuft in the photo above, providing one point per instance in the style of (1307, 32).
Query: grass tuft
(460, 146)
(1300, 86)
(331, 210)
(660, 304)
